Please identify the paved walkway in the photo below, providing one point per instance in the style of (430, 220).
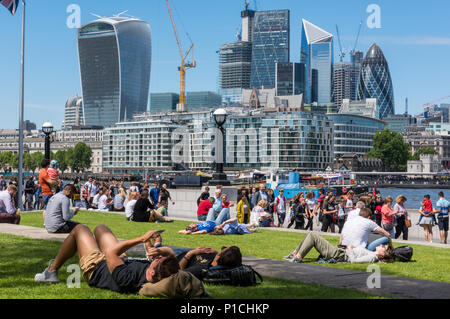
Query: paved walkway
(334, 277)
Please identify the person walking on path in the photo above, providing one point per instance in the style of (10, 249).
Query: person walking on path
(402, 216)
(8, 212)
(164, 195)
(280, 207)
(387, 219)
(260, 195)
(442, 211)
(154, 193)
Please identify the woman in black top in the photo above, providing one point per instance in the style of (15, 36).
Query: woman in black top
(329, 209)
(376, 205)
(142, 208)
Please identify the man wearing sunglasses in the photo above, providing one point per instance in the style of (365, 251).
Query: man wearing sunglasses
(102, 262)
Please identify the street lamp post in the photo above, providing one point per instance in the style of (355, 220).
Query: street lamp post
(47, 128)
(219, 178)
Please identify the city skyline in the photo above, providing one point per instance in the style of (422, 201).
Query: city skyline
(416, 54)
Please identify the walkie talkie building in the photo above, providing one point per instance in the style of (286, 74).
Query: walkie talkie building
(115, 62)
(375, 82)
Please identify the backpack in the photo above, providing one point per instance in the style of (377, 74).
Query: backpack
(403, 253)
(239, 276)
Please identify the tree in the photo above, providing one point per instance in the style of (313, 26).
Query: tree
(391, 149)
(14, 161)
(5, 158)
(37, 158)
(61, 157)
(28, 163)
(80, 157)
(424, 151)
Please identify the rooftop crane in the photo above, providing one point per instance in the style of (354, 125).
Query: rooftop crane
(341, 51)
(353, 52)
(181, 107)
(436, 101)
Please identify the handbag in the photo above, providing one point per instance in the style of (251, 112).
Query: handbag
(408, 223)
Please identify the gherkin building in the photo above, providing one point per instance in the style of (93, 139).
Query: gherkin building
(375, 82)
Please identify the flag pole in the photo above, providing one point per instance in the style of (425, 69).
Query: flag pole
(21, 107)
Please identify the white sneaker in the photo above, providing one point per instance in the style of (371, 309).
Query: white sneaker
(47, 276)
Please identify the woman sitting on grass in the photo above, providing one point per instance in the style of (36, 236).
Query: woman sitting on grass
(352, 254)
(260, 217)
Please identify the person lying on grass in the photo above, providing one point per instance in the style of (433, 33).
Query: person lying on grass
(100, 260)
(197, 260)
(352, 254)
(232, 227)
(208, 225)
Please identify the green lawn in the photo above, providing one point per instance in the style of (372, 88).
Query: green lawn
(430, 263)
(21, 258)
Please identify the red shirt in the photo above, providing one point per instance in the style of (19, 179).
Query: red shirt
(43, 175)
(385, 218)
(204, 207)
(427, 205)
(226, 205)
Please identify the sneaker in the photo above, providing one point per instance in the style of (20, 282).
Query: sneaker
(47, 276)
(289, 257)
(295, 260)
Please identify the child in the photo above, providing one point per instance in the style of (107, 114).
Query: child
(53, 173)
(426, 207)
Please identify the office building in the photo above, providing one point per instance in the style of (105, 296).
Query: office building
(345, 77)
(203, 100)
(234, 70)
(367, 107)
(73, 113)
(440, 141)
(115, 61)
(163, 102)
(317, 54)
(375, 82)
(248, 17)
(289, 78)
(270, 40)
(268, 98)
(354, 133)
(399, 122)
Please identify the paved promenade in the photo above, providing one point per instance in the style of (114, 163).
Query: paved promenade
(390, 285)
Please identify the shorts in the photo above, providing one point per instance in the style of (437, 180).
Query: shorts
(67, 228)
(89, 262)
(443, 223)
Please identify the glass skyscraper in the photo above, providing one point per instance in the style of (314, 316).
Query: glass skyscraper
(317, 54)
(270, 45)
(115, 62)
(375, 82)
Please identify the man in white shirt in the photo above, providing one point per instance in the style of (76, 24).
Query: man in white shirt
(355, 212)
(104, 202)
(357, 230)
(8, 213)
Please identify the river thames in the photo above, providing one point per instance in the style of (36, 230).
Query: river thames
(414, 196)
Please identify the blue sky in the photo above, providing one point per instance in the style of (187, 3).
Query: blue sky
(414, 36)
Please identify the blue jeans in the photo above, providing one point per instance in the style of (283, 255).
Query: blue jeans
(45, 198)
(380, 241)
(201, 218)
(223, 216)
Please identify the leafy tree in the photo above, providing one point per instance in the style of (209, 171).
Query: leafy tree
(14, 161)
(61, 157)
(425, 151)
(80, 157)
(5, 158)
(28, 163)
(391, 149)
(37, 159)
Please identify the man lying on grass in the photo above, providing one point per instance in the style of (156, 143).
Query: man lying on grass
(100, 260)
(352, 254)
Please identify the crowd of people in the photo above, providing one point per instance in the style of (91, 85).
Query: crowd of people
(261, 208)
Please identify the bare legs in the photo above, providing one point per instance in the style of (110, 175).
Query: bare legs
(428, 233)
(80, 239)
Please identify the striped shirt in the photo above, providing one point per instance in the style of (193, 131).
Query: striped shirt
(442, 204)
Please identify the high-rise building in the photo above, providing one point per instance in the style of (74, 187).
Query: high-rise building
(375, 82)
(163, 102)
(247, 24)
(271, 44)
(235, 61)
(73, 113)
(115, 61)
(289, 78)
(317, 53)
(345, 77)
(197, 101)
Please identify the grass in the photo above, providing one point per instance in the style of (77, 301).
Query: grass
(21, 258)
(429, 263)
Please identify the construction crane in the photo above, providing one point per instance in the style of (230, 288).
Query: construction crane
(181, 107)
(353, 52)
(427, 105)
(341, 51)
